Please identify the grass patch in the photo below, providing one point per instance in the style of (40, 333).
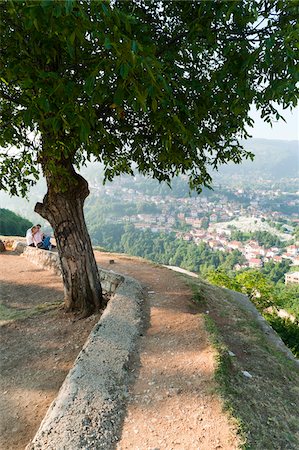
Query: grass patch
(264, 407)
(223, 373)
(10, 314)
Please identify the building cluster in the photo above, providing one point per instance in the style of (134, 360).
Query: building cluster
(255, 255)
(195, 219)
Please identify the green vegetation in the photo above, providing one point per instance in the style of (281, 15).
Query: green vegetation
(264, 294)
(106, 210)
(12, 224)
(275, 271)
(287, 330)
(8, 314)
(286, 297)
(264, 238)
(162, 248)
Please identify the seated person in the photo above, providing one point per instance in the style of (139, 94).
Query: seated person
(30, 233)
(41, 240)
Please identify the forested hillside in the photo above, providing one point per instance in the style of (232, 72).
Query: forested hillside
(12, 224)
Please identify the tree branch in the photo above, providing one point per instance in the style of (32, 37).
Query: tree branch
(11, 99)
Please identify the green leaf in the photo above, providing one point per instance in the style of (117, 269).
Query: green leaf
(44, 104)
(35, 23)
(89, 85)
(57, 10)
(72, 37)
(84, 131)
(46, 3)
(154, 105)
(134, 46)
(105, 9)
(56, 124)
(124, 70)
(107, 43)
(69, 5)
(119, 96)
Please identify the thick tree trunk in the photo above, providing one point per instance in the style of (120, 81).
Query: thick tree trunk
(63, 208)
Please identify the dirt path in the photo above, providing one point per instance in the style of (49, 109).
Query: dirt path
(172, 404)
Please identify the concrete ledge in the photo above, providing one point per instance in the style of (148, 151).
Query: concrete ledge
(90, 406)
(50, 261)
(19, 246)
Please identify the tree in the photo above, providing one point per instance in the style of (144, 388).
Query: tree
(159, 87)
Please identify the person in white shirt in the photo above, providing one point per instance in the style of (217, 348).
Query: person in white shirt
(41, 240)
(30, 233)
(38, 235)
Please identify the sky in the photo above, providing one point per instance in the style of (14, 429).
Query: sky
(288, 130)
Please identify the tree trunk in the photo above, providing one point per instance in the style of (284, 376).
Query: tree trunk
(62, 207)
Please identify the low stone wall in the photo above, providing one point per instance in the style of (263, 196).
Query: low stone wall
(50, 261)
(19, 246)
(90, 406)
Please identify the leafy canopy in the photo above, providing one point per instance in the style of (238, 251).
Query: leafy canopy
(165, 87)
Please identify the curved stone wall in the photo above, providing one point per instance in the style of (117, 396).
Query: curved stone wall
(90, 406)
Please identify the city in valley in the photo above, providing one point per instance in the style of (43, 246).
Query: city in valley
(214, 217)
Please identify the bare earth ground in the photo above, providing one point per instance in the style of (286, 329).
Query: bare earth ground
(172, 404)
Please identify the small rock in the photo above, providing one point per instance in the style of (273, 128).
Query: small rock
(246, 374)
(231, 353)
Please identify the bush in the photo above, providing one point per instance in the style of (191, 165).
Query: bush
(287, 330)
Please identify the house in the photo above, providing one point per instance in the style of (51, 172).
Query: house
(235, 245)
(187, 237)
(255, 262)
(296, 261)
(293, 250)
(277, 258)
(287, 256)
(292, 277)
(171, 220)
(215, 245)
(197, 223)
(240, 266)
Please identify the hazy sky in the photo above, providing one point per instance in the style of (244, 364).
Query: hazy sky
(280, 130)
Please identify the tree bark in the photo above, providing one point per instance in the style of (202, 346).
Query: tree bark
(62, 207)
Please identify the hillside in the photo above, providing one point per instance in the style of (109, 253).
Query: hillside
(12, 224)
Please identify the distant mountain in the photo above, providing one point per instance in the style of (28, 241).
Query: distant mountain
(273, 159)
